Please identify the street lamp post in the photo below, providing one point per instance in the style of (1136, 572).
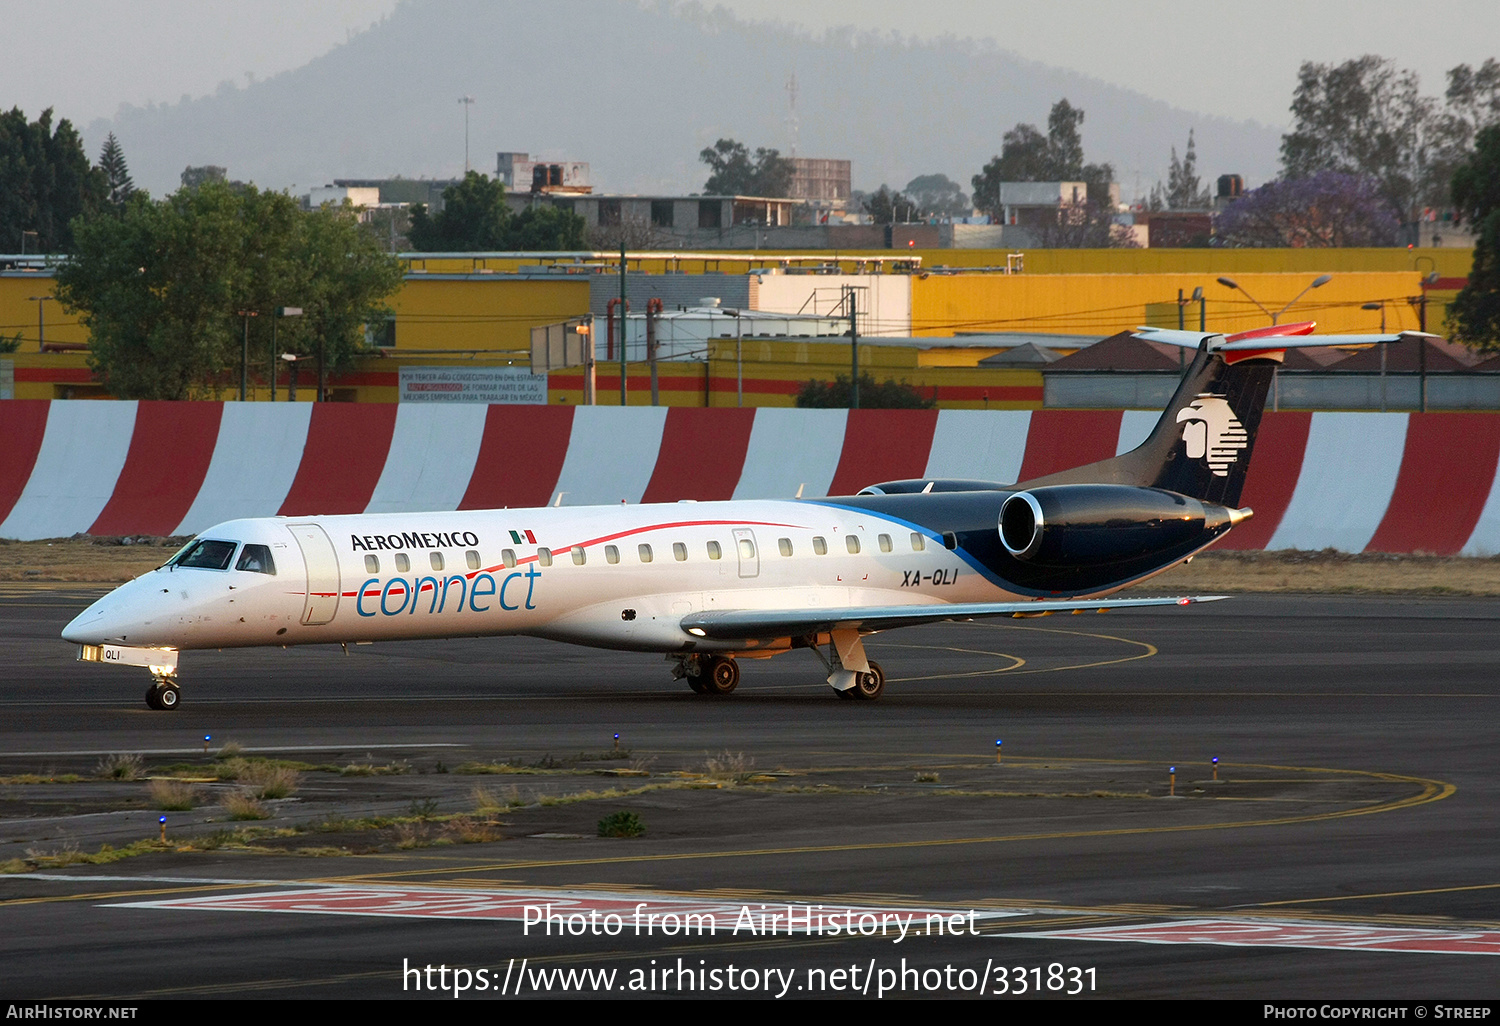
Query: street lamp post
(1379, 305)
(292, 359)
(23, 241)
(41, 336)
(1317, 283)
(276, 315)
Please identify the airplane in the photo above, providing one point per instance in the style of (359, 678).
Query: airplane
(711, 583)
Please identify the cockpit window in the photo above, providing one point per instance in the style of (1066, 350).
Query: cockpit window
(208, 555)
(257, 560)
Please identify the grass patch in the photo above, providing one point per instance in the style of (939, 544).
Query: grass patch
(729, 767)
(926, 777)
(171, 795)
(621, 824)
(39, 778)
(126, 766)
(468, 830)
(244, 804)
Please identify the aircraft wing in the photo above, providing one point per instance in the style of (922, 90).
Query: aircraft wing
(746, 624)
(1295, 337)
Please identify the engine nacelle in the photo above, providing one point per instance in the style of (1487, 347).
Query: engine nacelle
(1092, 524)
(932, 484)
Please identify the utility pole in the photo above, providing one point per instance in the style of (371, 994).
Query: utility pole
(41, 336)
(467, 101)
(245, 356)
(623, 322)
(853, 296)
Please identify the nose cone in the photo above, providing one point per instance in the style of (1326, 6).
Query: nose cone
(118, 617)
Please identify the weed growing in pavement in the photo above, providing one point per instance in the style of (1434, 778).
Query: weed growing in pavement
(171, 795)
(119, 767)
(621, 824)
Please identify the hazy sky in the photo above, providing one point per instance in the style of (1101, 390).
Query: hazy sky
(86, 57)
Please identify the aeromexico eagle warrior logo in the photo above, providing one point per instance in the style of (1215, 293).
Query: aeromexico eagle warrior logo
(1212, 433)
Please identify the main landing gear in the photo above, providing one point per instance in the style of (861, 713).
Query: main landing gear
(163, 694)
(710, 675)
(867, 686)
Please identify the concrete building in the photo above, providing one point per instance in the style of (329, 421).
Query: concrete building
(675, 216)
(520, 172)
(820, 182)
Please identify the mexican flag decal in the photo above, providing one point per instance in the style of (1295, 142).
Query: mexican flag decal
(520, 537)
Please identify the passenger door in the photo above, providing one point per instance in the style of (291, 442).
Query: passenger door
(323, 582)
(747, 551)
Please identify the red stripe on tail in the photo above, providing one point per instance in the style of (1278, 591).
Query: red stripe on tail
(1447, 469)
(170, 449)
(341, 463)
(702, 454)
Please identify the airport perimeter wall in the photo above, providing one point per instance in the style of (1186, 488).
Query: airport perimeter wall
(1392, 482)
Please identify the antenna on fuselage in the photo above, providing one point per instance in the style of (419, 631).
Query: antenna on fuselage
(799, 490)
(557, 500)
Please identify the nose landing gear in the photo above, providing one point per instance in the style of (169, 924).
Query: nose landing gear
(709, 675)
(163, 695)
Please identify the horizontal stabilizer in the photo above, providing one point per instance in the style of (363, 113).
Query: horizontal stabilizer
(1295, 339)
(747, 624)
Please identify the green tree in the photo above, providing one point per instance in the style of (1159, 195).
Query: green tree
(891, 395)
(160, 286)
(476, 218)
(1475, 312)
(117, 181)
(887, 207)
(938, 194)
(1183, 190)
(736, 173)
(1028, 156)
(193, 177)
(46, 181)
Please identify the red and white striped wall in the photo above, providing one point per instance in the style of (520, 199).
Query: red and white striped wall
(1391, 482)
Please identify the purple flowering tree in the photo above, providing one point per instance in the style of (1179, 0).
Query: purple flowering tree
(1328, 208)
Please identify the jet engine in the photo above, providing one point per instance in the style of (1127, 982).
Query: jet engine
(1092, 524)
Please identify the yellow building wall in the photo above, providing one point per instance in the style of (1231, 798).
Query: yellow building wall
(1102, 304)
(18, 311)
(481, 311)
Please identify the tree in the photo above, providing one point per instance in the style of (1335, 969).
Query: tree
(938, 194)
(1325, 209)
(476, 218)
(887, 207)
(160, 286)
(46, 181)
(1028, 156)
(1366, 117)
(892, 395)
(1475, 313)
(1182, 191)
(116, 175)
(736, 173)
(193, 177)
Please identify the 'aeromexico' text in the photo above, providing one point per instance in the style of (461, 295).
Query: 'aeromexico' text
(414, 540)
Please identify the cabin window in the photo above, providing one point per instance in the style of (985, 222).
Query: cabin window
(579, 556)
(257, 560)
(820, 546)
(950, 540)
(885, 543)
(645, 551)
(715, 550)
(543, 557)
(679, 551)
(611, 554)
(403, 564)
(372, 564)
(209, 555)
(472, 559)
(851, 542)
(918, 542)
(507, 556)
(747, 548)
(785, 545)
(436, 561)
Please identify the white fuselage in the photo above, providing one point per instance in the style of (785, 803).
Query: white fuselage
(611, 576)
